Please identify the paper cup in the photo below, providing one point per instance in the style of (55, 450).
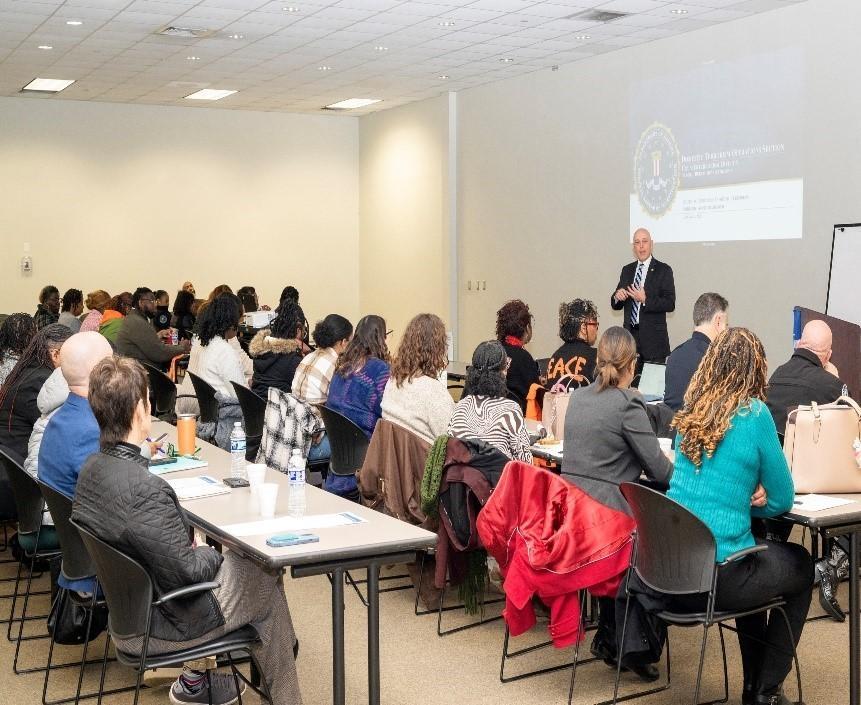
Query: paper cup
(256, 473)
(267, 493)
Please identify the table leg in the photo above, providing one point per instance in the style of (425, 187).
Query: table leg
(854, 644)
(338, 677)
(374, 634)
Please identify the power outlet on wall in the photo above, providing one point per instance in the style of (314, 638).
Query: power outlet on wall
(476, 285)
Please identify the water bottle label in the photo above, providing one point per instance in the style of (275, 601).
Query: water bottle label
(237, 444)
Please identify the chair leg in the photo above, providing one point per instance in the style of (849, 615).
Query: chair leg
(61, 601)
(235, 677)
(581, 636)
(702, 662)
(794, 651)
(618, 654)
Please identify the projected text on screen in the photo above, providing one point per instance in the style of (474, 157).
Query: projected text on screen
(717, 151)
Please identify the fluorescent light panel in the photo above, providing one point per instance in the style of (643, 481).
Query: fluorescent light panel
(209, 94)
(353, 103)
(48, 85)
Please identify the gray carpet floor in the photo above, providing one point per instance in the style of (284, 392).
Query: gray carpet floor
(460, 669)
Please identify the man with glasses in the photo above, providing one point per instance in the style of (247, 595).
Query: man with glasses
(137, 338)
(575, 360)
(710, 319)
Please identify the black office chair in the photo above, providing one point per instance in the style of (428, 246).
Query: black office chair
(206, 400)
(131, 599)
(349, 445)
(31, 507)
(253, 411)
(163, 394)
(674, 553)
(77, 565)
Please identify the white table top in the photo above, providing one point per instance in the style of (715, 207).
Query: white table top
(379, 534)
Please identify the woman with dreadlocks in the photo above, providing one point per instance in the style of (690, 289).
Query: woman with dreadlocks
(18, 408)
(729, 468)
(16, 332)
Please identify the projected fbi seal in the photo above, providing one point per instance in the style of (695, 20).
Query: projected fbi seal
(657, 169)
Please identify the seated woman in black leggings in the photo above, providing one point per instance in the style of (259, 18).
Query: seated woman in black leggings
(729, 467)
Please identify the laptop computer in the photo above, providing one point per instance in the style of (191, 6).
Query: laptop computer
(652, 381)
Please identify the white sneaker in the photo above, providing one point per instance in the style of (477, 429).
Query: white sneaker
(223, 691)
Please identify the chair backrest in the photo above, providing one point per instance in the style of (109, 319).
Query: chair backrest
(206, 400)
(77, 563)
(28, 498)
(163, 390)
(253, 409)
(348, 442)
(675, 551)
(542, 363)
(127, 586)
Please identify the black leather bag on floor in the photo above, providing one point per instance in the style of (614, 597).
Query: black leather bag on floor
(69, 626)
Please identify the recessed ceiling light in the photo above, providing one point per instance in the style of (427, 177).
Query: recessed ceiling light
(290, 8)
(583, 36)
(352, 103)
(192, 58)
(236, 36)
(443, 76)
(74, 23)
(679, 12)
(45, 46)
(209, 94)
(446, 23)
(48, 85)
(381, 48)
(507, 60)
(324, 68)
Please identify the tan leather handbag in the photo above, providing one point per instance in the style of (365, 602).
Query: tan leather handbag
(556, 404)
(819, 447)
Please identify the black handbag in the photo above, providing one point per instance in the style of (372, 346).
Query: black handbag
(69, 625)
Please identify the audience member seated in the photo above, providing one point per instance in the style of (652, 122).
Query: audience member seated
(51, 397)
(356, 390)
(250, 300)
(139, 340)
(288, 293)
(608, 441)
(514, 330)
(117, 499)
(214, 294)
(809, 376)
(212, 357)
(161, 319)
(729, 467)
(484, 412)
(710, 319)
(183, 318)
(16, 332)
(189, 287)
(415, 396)
(97, 302)
(114, 316)
(314, 373)
(72, 308)
(277, 351)
(575, 359)
(18, 407)
(48, 309)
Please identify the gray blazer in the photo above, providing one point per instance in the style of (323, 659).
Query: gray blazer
(608, 441)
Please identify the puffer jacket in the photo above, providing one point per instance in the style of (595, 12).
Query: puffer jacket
(122, 503)
(275, 362)
(51, 397)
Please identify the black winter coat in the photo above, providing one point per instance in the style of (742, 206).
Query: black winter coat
(122, 503)
(275, 362)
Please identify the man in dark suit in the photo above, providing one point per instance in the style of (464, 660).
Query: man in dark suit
(647, 292)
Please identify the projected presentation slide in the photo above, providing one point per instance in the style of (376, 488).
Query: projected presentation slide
(717, 151)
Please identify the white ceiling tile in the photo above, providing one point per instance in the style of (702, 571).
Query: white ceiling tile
(632, 5)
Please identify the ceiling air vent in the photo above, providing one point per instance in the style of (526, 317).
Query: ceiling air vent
(185, 32)
(597, 15)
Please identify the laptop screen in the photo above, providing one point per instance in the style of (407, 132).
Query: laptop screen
(652, 380)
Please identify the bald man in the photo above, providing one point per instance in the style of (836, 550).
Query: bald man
(647, 293)
(808, 376)
(72, 434)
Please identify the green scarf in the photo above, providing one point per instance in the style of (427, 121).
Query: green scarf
(433, 476)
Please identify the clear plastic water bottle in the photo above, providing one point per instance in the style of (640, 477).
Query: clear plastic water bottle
(296, 481)
(237, 452)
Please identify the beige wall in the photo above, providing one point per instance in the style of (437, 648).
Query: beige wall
(544, 177)
(404, 257)
(115, 196)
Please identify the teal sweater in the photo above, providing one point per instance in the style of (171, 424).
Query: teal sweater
(719, 492)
